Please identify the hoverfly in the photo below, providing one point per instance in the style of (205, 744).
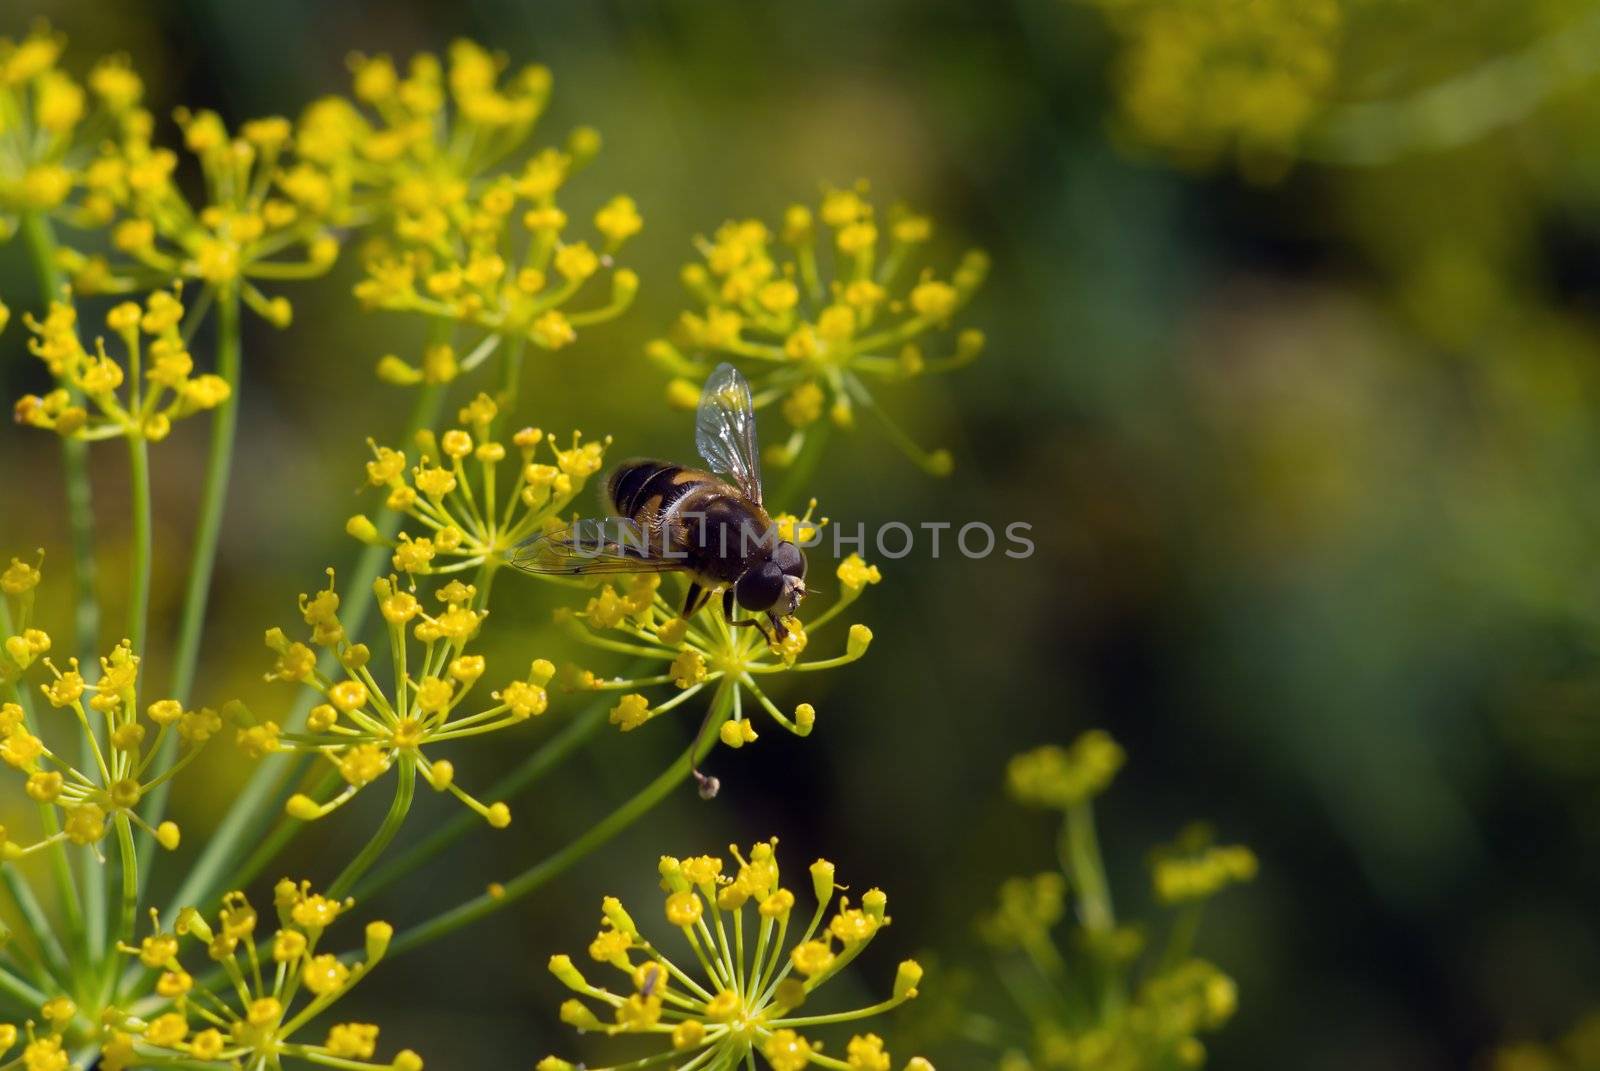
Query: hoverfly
(709, 525)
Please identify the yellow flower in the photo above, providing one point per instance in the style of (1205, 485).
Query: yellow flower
(252, 1016)
(435, 159)
(52, 127)
(743, 1003)
(1192, 868)
(92, 798)
(263, 213)
(469, 514)
(365, 729)
(151, 339)
(1058, 777)
(818, 341)
(707, 652)
(1196, 79)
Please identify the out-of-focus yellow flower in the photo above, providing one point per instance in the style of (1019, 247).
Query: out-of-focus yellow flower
(274, 989)
(751, 982)
(464, 519)
(140, 397)
(1192, 868)
(705, 651)
(262, 217)
(51, 125)
(468, 230)
(364, 729)
(1139, 1011)
(87, 801)
(1198, 78)
(816, 315)
(1058, 777)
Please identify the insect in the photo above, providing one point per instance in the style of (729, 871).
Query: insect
(711, 526)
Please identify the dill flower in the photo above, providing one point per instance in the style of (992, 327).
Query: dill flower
(704, 651)
(466, 233)
(469, 515)
(1057, 777)
(816, 332)
(1192, 868)
(87, 803)
(264, 215)
(253, 1020)
(406, 149)
(363, 729)
(157, 372)
(750, 984)
(1093, 1000)
(1195, 79)
(51, 125)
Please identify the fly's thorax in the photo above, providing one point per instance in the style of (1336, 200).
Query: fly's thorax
(723, 532)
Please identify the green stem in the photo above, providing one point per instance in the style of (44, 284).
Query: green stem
(129, 856)
(535, 766)
(1181, 941)
(203, 558)
(40, 238)
(213, 498)
(285, 831)
(511, 374)
(61, 865)
(38, 923)
(250, 812)
(1080, 849)
(405, 787)
(553, 866)
(139, 572)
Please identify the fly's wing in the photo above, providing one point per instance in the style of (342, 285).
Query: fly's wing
(725, 430)
(594, 546)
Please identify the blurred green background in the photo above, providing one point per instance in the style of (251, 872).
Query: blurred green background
(1310, 440)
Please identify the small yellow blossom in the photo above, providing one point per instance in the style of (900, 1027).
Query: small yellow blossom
(52, 125)
(251, 1018)
(1060, 777)
(365, 729)
(813, 340)
(256, 219)
(138, 398)
(1195, 80)
(468, 514)
(92, 798)
(743, 1006)
(708, 652)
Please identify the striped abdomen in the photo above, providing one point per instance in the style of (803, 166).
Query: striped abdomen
(692, 512)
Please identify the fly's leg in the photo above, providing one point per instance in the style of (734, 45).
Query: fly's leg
(750, 622)
(695, 599)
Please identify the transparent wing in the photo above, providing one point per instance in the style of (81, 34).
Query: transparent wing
(593, 546)
(725, 430)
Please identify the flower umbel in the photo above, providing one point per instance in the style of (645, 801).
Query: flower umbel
(254, 1020)
(364, 730)
(51, 127)
(138, 397)
(1085, 1002)
(466, 236)
(815, 332)
(85, 804)
(264, 216)
(706, 651)
(751, 982)
(455, 494)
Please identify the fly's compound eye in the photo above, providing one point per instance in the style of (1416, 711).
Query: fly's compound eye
(760, 588)
(789, 560)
